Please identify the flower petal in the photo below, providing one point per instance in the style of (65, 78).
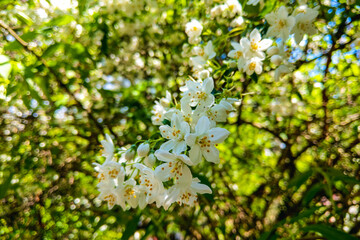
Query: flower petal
(202, 126)
(200, 188)
(164, 156)
(195, 154)
(211, 154)
(218, 135)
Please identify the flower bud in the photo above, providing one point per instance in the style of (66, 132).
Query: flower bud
(150, 160)
(276, 59)
(272, 51)
(233, 64)
(237, 22)
(143, 150)
(204, 74)
(129, 154)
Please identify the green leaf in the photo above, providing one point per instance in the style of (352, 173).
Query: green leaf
(311, 193)
(4, 187)
(328, 232)
(131, 227)
(300, 179)
(5, 66)
(61, 20)
(337, 175)
(50, 51)
(22, 17)
(304, 214)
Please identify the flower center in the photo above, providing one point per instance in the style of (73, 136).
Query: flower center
(204, 142)
(201, 52)
(252, 66)
(113, 173)
(194, 28)
(129, 192)
(254, 46)
(110, 199)
(238, 54)
(201, 95)
(282, 23)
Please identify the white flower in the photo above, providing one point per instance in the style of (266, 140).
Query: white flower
(203, 54)
(219, 112)
(217, 10)
(198, 93)
(185, 190)
(173, 166)
(129, 154)
(255, 46)
(280, 23)
(276, 59)
(143, 149)
(108, 148)
(151, 185)
(253, 65)
(165, 102)
(109, 193)
(150, 160)
(237, 22)
(233, 7)
(109, 171)
(158, 113)
(193, 29)
(304, 25)
(283, 70)
(128, 192)
(238, 53)
(175, 133)
(203, 141)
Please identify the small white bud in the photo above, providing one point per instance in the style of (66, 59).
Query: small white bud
(237, 22)
(143, 150)
(276, 59)
(233, 64)
(272, 50)
(204, 74)
(150, 160)
(129, 154)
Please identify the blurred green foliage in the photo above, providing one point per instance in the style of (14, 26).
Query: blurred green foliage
(289, 170)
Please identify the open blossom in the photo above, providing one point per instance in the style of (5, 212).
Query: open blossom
(173, 166)
(253, 65)
(198, 93)
(238, 53)
(203, 141)
(110, 171)
(175, 134)
(203, 54)
(255, 47)
(151, 185)
(280, 23)
(232, 8)
(158, 112)
(304, 25)
(108, 193)
(108, 148)
(193, 29)
(185, 190)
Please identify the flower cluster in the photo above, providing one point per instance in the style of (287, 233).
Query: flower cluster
(188, 135)
(159, 171)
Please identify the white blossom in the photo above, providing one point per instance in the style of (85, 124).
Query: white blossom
(203, 141)
(175, 133)
(280, 23)
(185, 190)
